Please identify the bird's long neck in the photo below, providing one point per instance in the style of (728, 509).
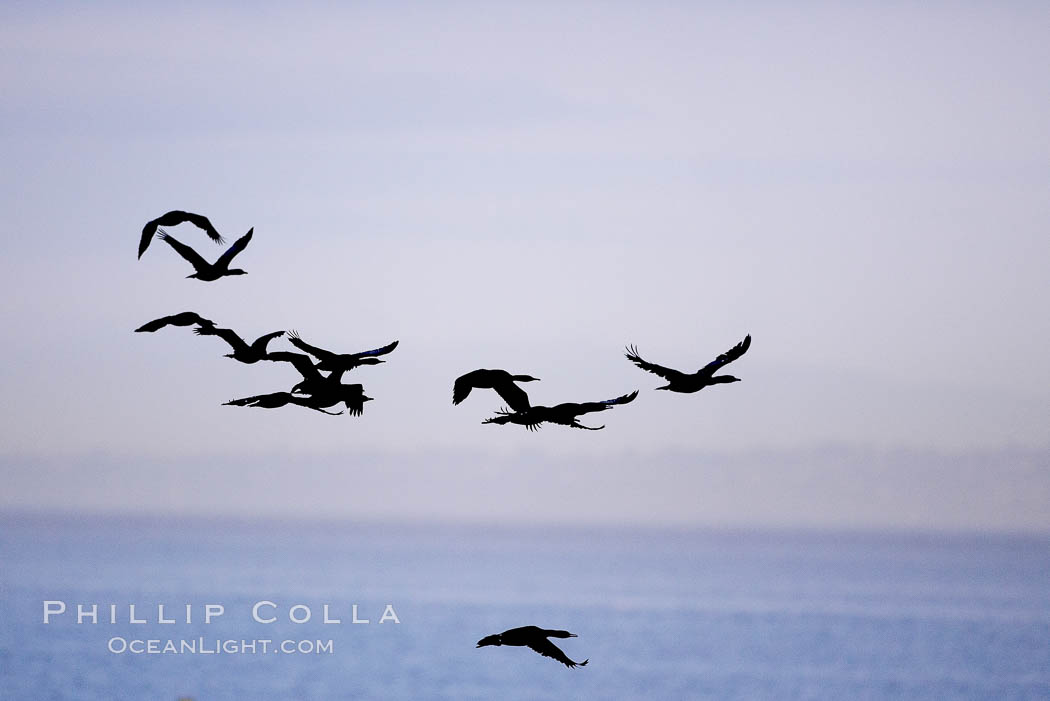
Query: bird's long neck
(558, 634)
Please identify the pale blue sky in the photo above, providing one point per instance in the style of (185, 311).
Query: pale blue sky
(863, 189)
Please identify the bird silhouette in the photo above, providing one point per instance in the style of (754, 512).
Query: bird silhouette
(535, 639)
(241, 350)
(182, 319)
(174, 218)
(352, 396)
(565, 414)
(324, 390)
(312, 381)
(276, 400)
(330, 361)
(704, 377)
(499, 380)
(206, 271)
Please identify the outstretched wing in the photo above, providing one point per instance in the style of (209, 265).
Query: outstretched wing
(319, 353)
(353, 398)
(588, 407)
(300, 362)
(269, 401)
(376, 351)
(514, 396)
(262, 341)
(183, 250)
(461, 387)
(181, 319)
(666, 373)
(729, 356)
(305, 402)
(201, 222)
(532, 419)
(623, 399)
(239, 245)
(229, 335)
(548, 649)
(148, 232)
(354, 407)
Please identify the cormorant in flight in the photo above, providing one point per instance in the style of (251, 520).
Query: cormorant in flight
(499, 380)
(340, 361)
(313, 380)
(275, 400)
(241, 350)
(564, 414)
(204, 270)
(182, 319)
(174, 218)
(683, 382)
(535, 639)
(324, 391)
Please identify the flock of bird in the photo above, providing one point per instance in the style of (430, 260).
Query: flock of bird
(322, 392)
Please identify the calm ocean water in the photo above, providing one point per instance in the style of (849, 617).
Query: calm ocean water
(660, 614)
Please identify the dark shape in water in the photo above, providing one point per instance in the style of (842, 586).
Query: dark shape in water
(535, 639)
(499, 380)
(330, 361)
(684, 382)
(564, 414)
(181, 319)
(241, 350)
(174, 218)
(206, 271)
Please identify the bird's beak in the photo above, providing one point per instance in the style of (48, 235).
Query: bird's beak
(573, 635)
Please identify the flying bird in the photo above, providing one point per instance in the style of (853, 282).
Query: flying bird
(535, 639)
(182, 319)
(565, 414)
(324, 390)
(499, 380)
(330, 361)
(241, 350)
(313, 380)
(204, 270)
(704, 377)
(174, 218)
(352, 396)
(276, 400)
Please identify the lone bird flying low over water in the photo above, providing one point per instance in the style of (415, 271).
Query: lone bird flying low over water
(499, 380)
(206, 271)
(174, 218)
(182, 319)
(329, 361)
(241, 350)
(684, 382)
(535, 639)
(564, 414)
